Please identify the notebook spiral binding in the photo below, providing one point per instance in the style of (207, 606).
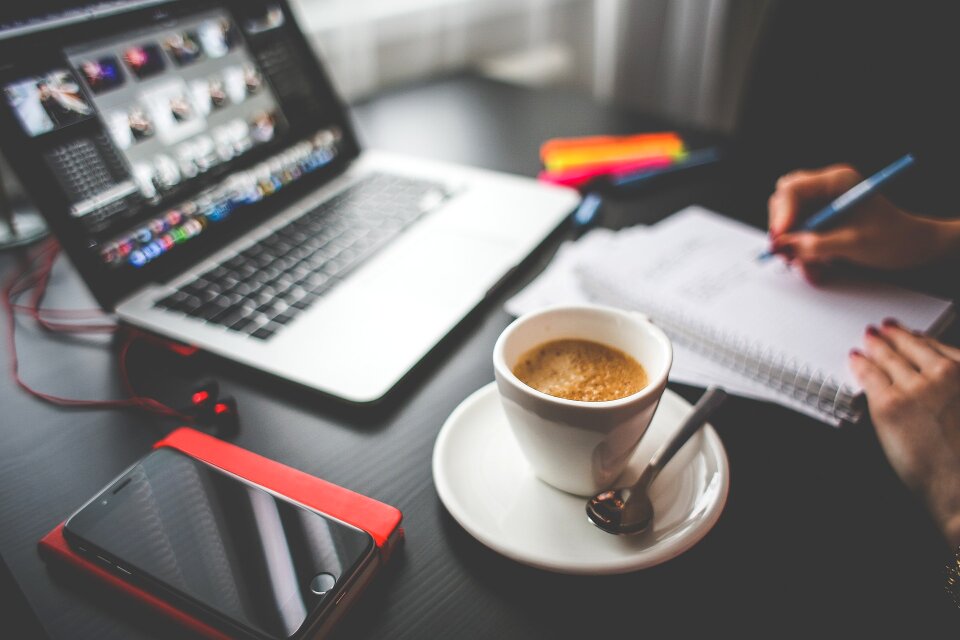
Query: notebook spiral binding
(772, 368)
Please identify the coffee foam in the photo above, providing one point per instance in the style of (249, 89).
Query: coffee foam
(580, 370)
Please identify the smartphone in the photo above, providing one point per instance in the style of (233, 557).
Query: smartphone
(236, 555)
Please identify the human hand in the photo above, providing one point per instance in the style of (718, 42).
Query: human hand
(912, 384)
(875, 234)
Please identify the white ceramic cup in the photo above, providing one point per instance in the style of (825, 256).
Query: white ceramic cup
(577, 446)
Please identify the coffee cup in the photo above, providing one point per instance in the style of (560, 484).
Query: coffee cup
(578, 446)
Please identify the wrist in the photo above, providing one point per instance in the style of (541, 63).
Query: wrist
(945, 237)
(941, 493)
(945, 508)
(951, 531)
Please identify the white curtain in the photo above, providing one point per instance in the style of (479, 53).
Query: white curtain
(684, 59)
(369, 44)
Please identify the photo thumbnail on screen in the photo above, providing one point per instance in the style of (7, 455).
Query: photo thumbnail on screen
(102, 74)
(183, 47)
(181, 108)
(217, 36)
(266, 20)
(130, 126)
(48, 102)
(235, 84)
(263, 126)
(208, 94)
(139, 122)
(144, 61)
(170, 112)
(252, 78)
(218, 93)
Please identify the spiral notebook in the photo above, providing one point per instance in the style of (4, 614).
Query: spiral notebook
(754, 327)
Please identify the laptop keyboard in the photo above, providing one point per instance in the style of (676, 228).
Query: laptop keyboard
(265, 286)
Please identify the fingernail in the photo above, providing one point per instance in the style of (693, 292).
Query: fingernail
(855, 353)
(873, 331)
(890, 322)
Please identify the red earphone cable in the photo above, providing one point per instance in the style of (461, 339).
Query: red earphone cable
(36, 279)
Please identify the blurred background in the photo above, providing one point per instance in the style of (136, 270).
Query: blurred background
(683, 59)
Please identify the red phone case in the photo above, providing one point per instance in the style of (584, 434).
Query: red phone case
(381, 521)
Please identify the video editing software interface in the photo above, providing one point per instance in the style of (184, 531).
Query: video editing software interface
(144, 130)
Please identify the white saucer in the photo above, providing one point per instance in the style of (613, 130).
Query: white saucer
(489, 488)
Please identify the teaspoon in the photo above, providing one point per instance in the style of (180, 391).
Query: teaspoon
(628, 510)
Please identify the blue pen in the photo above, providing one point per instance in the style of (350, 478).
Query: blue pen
(695, 158)
(852, 197)
(586, 212)
(589, 207)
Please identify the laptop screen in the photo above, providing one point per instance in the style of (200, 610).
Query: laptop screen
(153, 134)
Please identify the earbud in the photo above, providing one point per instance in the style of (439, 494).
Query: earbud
(205, 394)
(213, 413)
(225, 420)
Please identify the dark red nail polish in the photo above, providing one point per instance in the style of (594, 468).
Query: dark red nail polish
(855, 353)
(890, 322)
(873, 331)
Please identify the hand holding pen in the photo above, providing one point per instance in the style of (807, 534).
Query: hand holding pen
(864, 228)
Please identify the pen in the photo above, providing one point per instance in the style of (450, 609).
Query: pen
(586, 212)
(589, 207)
(695, 158)
(852, 197)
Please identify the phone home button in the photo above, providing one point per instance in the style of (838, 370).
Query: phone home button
(322, 583)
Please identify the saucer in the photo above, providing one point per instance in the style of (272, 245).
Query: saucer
(489, 488)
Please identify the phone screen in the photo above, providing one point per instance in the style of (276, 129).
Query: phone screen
(231, 547)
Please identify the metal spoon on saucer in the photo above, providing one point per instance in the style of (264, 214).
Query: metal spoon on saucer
(628, 510)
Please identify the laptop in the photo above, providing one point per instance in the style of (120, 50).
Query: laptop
(200, 171)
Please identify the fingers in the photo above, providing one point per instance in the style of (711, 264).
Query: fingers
(843, 243)
(917, 350)
(782, 212)
(798, 189)
(945, 350)
(951, 352)
(872, 378)
(900, 370)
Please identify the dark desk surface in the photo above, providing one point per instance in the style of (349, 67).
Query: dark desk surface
(817, 533)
